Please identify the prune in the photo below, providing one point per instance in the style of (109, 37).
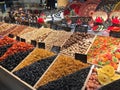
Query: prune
(74, 81)
(112, 86)
(34, 56)
(33, 72)
(63, 66)
(13, 60)
(17, 47)
(3, 49)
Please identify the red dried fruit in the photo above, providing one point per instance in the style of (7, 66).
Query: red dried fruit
(17, 47)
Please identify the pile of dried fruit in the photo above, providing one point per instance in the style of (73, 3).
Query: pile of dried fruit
(6, 43)
(77, 43)
(5, 26)
(18, 29)
(15, 54)
(36, 34)
(74, 81)
(104, 51)
(101, 76)
(33, 72)
(28, 29)
(56, 38)
(6, 32)
(63, 66)
(34, 56)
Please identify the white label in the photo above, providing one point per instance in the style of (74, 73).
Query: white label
(118, 69)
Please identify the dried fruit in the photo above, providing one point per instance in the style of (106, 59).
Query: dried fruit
(34, 56)
(17, 47)
(115, 77)
(109, 70)
(63, 66)
(103, 78)
(73, 81)
(33, 72)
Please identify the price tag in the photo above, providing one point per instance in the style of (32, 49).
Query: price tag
(118, 69)
(67, 28)
(56, 49)
(17, 38)
(41, 45)
(81, 57)
(80, 28)
(23, 40)
(11, 35)
(115, 34)
(34, 43)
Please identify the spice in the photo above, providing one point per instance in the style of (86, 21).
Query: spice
(63, 66)
(36, 55)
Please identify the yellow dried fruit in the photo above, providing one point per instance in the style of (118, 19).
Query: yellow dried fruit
(109, 70)
(103, 79)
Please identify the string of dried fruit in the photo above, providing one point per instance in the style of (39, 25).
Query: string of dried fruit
(35, 55)
(63, 66)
